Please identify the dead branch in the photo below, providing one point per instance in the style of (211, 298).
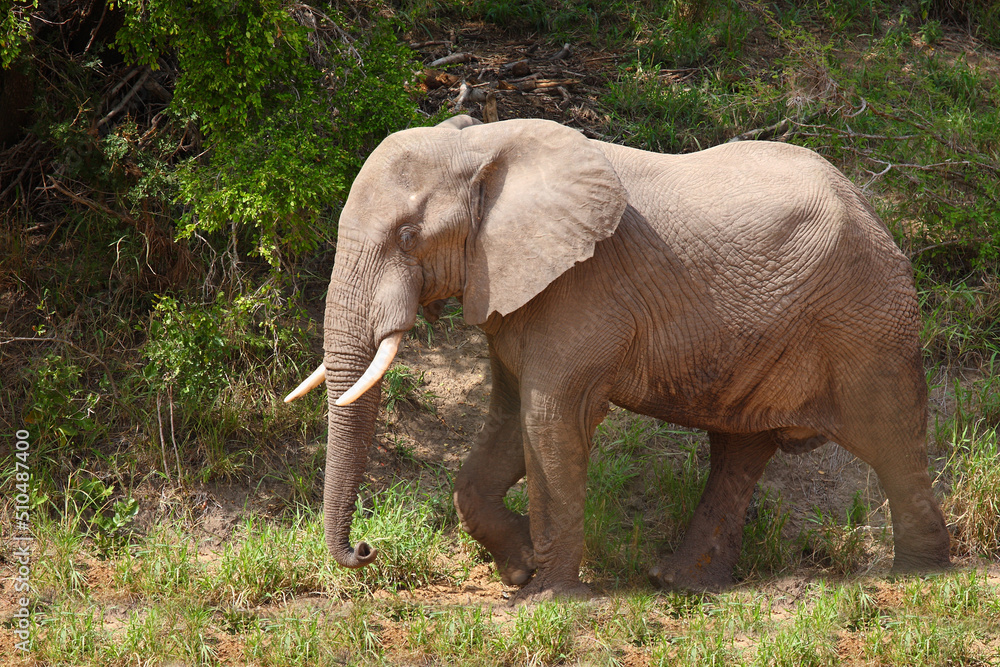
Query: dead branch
(920, 126)
(438, 79)
(27, 163)
(490, 114)
(763, 133)
(469, 95)
(125, 79)
(453, 59)
(827, 131)
(125, 100)
(565, 95)
(517, 68)
(173, 431)
(416, 46)
(875, 177)
(864, 105)
(928, 167)
(97, 28)
(160, 246)
(90, 203)
(163, 446)
(529, 77)
(531, 83)
(562, 53)
(937, 245)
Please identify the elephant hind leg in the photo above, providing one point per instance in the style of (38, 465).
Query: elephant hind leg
(920, 537)
(884, 425)
(713, 540)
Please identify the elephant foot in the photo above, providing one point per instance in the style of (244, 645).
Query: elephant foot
(506, 535)
(541, 590)
(691, 575)
(920, 539)
(516, 569)
(921, 562)
(513, 551)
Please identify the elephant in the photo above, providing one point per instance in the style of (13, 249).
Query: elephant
(748, 290)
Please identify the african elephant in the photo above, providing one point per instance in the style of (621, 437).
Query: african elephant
(748, 290)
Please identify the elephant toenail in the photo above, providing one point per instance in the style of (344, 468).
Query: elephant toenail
(518, 577)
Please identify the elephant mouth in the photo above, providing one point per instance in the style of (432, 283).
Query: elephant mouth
(376, 369)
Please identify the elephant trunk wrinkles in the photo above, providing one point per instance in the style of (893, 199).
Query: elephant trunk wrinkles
(365, 305)
(351, 430)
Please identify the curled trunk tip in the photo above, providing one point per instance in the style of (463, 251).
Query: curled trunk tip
(355, 557)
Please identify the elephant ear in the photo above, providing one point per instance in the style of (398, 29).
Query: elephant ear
(542, 197)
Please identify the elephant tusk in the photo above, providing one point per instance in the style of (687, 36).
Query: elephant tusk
(380, 364)
(310, 383)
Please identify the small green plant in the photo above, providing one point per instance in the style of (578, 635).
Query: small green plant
(70, 635)
(614, 536)
(703, 642)
(858, 512)
(841, 548)
(679, 481)
(62, 545)
(961, 323)
(458, 633)
(407, 524)
(542, 634)
(402, 383)
(809, 640)
(765, 548)
(630, 619)
(272, 562)
(858, 607)
(163, 565)
(974, 502)
(658, 116)
(931, 32)
(290, 641)
(62, 406)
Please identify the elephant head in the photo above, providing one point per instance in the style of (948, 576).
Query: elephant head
(490, 214)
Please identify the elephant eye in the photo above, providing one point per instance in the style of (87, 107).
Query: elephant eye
(407, 238)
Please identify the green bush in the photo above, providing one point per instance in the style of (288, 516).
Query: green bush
(194, 350)
(288, 99)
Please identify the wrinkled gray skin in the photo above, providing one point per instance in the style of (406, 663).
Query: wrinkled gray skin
(748, 290)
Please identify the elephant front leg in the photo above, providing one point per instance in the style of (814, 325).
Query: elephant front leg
(713, 540)
(496, 463)
(556, 454)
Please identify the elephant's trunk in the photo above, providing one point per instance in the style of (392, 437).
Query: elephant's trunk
(362, 311)
(351, 430)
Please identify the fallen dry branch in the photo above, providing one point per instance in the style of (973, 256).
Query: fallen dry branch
(530, 84)
(470, 95)
(453, 59)
(433, 79)
(763, 133)
(125, 100)
(563, 52)
(416, 46)
(490, 114)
